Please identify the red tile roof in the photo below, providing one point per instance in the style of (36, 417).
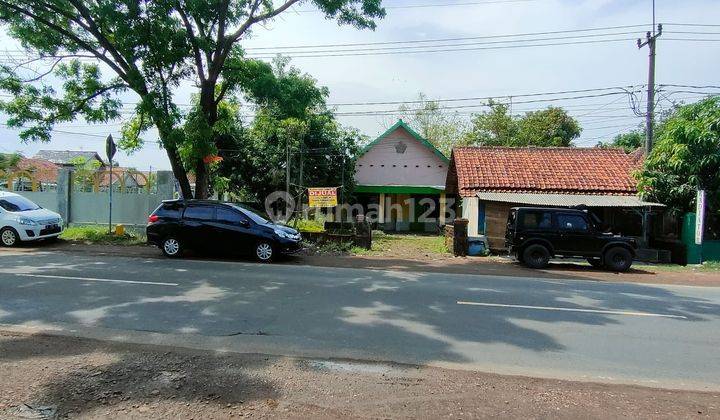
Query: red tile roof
(43, 170)
(564, 170)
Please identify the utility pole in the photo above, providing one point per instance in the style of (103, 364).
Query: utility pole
(287, 166)
(650, 41)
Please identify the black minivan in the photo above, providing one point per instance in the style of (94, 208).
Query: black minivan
(177, 225)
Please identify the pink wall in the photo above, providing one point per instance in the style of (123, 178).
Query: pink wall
(383, 165)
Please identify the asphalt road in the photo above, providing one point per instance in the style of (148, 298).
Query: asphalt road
(667, 336)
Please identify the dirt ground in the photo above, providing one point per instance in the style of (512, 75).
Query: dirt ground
(400, 256)
(78, 378)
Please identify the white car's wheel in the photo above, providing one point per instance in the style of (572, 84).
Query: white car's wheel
(264, 251)
(9, 237)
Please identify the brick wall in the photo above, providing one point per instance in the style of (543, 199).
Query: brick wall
(449, 232)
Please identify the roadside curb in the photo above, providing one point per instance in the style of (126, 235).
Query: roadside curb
(466, 266)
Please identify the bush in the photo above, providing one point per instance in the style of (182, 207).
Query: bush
(305, 225)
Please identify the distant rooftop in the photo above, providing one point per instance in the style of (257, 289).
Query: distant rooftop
(65, 157)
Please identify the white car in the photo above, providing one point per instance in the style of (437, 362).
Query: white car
(22, 220)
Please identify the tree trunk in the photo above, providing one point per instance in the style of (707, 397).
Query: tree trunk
(202, 180)
(179, 172)
(209, 110)
(176, 164)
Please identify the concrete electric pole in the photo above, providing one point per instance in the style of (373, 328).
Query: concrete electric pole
(650, 41)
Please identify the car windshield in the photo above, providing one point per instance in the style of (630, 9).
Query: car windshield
(255, 217)
(17, 203)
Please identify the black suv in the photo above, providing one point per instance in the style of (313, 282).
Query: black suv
(212, 225)
(535, 235)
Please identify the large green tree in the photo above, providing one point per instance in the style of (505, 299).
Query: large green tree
(549, 127)
(685, 158)
(290, 115)
(627, 141)
(444, 130)
(495, 127)
(150, 48)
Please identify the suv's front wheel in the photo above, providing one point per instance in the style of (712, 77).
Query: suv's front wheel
(618, 259)
(536, 256)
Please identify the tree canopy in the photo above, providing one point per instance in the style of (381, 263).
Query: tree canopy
(291, 115)
(627, 141)
(685, 158)
(8, 161)
(549, 127)
(444, 130)
(149, 48)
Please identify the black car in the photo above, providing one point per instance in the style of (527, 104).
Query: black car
(535, 235)
(177, 225)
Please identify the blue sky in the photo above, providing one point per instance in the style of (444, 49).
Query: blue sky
(481, 73)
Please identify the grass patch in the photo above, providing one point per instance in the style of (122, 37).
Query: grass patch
(332, 247)
(403, 245)
(707, 266)
(99, 235)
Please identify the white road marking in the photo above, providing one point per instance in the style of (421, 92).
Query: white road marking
(48, 276)
(549, 308)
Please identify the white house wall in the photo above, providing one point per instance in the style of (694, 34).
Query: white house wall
(470, 212)
(383, 165)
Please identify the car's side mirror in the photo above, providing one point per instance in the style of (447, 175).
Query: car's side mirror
(244, 223)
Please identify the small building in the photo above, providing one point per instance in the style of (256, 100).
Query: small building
(402, 175)
(65, 158)
(488, 181)
(31, 174)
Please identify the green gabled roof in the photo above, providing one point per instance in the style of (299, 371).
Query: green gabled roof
(413, 133)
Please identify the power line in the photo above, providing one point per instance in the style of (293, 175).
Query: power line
(693, 24)
(692, 39)
(414, 41)
(481, 98)
(500, 47)
(485, 105)
(455, 44)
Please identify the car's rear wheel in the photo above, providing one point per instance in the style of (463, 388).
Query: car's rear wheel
(9, 237)
(171, 247)
(595, 262)
(618, 259)
(536, 256)
(264, 251)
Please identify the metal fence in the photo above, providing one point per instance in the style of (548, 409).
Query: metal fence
(78, 204)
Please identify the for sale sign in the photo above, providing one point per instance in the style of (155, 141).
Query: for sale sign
(322, 197)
